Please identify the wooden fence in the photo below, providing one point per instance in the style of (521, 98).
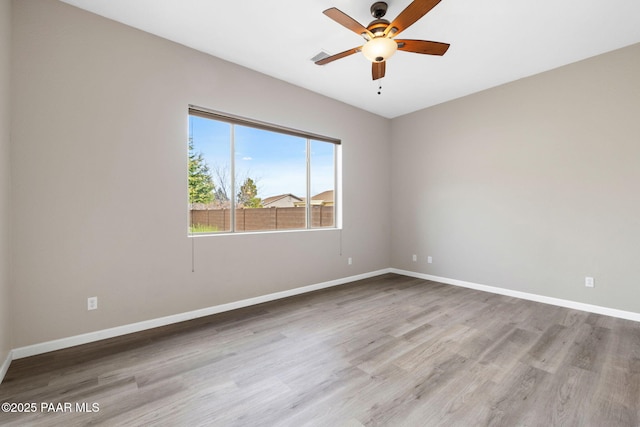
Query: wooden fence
(262, 218)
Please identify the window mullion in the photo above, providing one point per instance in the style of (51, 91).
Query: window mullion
(232, 198)
(308, 204)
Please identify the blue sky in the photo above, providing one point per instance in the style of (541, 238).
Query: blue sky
(277, 162)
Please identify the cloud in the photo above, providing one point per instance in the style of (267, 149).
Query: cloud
(247, 158)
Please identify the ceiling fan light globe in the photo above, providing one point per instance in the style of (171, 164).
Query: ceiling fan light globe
(379, 49)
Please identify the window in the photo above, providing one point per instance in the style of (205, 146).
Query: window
(246, 175)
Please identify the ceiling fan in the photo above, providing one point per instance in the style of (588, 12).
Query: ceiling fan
(380, 44)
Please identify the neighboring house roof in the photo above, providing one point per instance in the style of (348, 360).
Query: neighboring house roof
(321, 199)
(325, 196)
(280, 200)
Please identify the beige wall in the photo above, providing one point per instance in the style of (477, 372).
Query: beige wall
(99, 133)
(5, 54)
(530, 186)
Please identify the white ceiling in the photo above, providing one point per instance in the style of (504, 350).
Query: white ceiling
(492, 42)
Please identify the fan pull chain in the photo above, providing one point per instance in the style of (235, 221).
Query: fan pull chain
(379, 89)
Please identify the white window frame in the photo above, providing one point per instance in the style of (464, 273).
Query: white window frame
(308, 136)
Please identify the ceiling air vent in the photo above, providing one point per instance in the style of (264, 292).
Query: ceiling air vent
(319, 56)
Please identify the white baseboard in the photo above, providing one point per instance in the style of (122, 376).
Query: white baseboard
(5, 365)
(32, 350)
(629, 315)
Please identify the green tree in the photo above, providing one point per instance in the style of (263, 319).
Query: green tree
(200, 181)
(247, 196)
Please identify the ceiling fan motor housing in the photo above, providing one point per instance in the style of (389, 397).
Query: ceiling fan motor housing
(378, 26)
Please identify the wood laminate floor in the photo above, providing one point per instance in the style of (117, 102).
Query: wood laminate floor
(387, 351)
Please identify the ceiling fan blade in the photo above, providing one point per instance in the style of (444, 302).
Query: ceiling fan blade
(423, 46)
(378, 69)
(411, 14)
(347, 21)
(337, 56)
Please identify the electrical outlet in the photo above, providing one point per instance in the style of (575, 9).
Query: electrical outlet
(92, 303)
(589, 282)
(350, 261)
(429, 260)
(415, 258)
